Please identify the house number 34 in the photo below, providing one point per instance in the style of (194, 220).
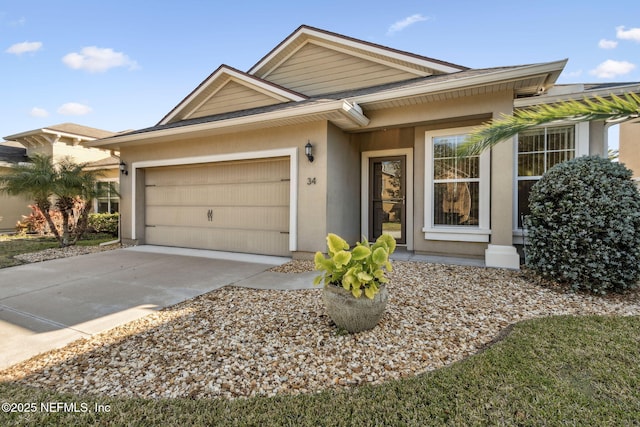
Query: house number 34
(311, 181)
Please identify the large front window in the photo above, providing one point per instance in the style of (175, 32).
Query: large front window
(456, 189)
(539, 150)
(456, 184)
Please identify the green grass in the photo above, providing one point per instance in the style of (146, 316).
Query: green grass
(11, 246)
(575, 371)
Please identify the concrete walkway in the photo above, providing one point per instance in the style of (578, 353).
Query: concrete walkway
(47, 305)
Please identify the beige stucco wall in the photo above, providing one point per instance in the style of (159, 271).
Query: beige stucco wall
(343, 185)
(312, 209)
(629, 148)
(11, 208)
(469, 111)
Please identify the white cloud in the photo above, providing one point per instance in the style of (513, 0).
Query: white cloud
(401, 25)
(74, 109)
(97, 60)
(610, 68)
(630, 34)
(607, 44)
(38, 112)
(24, 47)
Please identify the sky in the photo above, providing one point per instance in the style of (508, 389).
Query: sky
(119, 65)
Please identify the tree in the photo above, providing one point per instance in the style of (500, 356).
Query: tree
(72, 188)
(35, 180)
(613, 109)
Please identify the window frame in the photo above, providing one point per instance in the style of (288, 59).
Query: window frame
(96, 201)
(581, 148)
(458, 233)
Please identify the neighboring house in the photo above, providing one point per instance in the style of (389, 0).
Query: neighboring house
(629, 148)
(226, 168)
(58, 141)
(11, 207)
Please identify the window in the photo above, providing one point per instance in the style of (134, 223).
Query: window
(456, 189)
(538, 150)
(456, 182)
(108, 200)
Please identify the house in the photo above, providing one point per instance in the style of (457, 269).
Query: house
(11, 207)
(59, 141)
(629, 149)
(307, 141)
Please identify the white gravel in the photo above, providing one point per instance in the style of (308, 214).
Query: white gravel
(236, 342)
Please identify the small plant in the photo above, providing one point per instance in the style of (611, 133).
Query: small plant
(360, 271)
(584, 226)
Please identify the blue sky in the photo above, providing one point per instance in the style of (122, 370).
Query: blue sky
(119, 65)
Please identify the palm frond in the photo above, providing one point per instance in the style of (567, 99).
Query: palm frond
(611, 109)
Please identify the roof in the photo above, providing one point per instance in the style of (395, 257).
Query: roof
(85, 132)
(579, 91)
(10, 152)
(345, 108)
(305, 32)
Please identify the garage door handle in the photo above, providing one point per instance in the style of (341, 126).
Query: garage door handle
(210, 215)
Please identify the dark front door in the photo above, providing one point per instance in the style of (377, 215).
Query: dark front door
(387, 197)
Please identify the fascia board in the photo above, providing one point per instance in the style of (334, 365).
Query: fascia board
(464, 82)
(549, 99)
(346, 108)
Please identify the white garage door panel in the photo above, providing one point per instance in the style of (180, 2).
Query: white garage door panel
(230, 206)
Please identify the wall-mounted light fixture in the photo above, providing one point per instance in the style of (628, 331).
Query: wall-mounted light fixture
(123, 168)
(308, 151)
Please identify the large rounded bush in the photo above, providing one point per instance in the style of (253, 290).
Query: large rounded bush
(584, 226)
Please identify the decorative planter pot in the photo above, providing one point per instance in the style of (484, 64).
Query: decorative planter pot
(354, 314)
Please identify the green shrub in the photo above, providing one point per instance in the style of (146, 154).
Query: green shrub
(104, 223)
(584, 226)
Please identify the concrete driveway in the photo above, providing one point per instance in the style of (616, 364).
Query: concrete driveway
(46, 305)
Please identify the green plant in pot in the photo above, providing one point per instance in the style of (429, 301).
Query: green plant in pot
(355, 293)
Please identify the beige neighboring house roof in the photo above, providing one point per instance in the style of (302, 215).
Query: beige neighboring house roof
(110, 162)
(68, 133)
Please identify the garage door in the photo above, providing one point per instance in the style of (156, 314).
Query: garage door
(240, 206)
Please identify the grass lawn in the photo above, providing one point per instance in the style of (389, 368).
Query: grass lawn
(11, 246)
(582, 371)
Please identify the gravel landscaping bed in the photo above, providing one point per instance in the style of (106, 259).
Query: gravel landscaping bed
(236, 342)
(69, 251)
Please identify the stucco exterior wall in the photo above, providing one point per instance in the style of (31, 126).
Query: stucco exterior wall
(343, 185)
(629, 148)
(312, 210)
(11, 208)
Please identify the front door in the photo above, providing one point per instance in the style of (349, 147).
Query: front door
(387, 213)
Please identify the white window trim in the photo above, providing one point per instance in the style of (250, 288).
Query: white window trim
(582, 136)
(480, 233)
(292, 153)
(364, 190)
(95, 201)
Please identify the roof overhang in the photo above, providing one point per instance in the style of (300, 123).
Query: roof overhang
(524, 80)
(344, 114)
(578, 94)
(45, 136)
